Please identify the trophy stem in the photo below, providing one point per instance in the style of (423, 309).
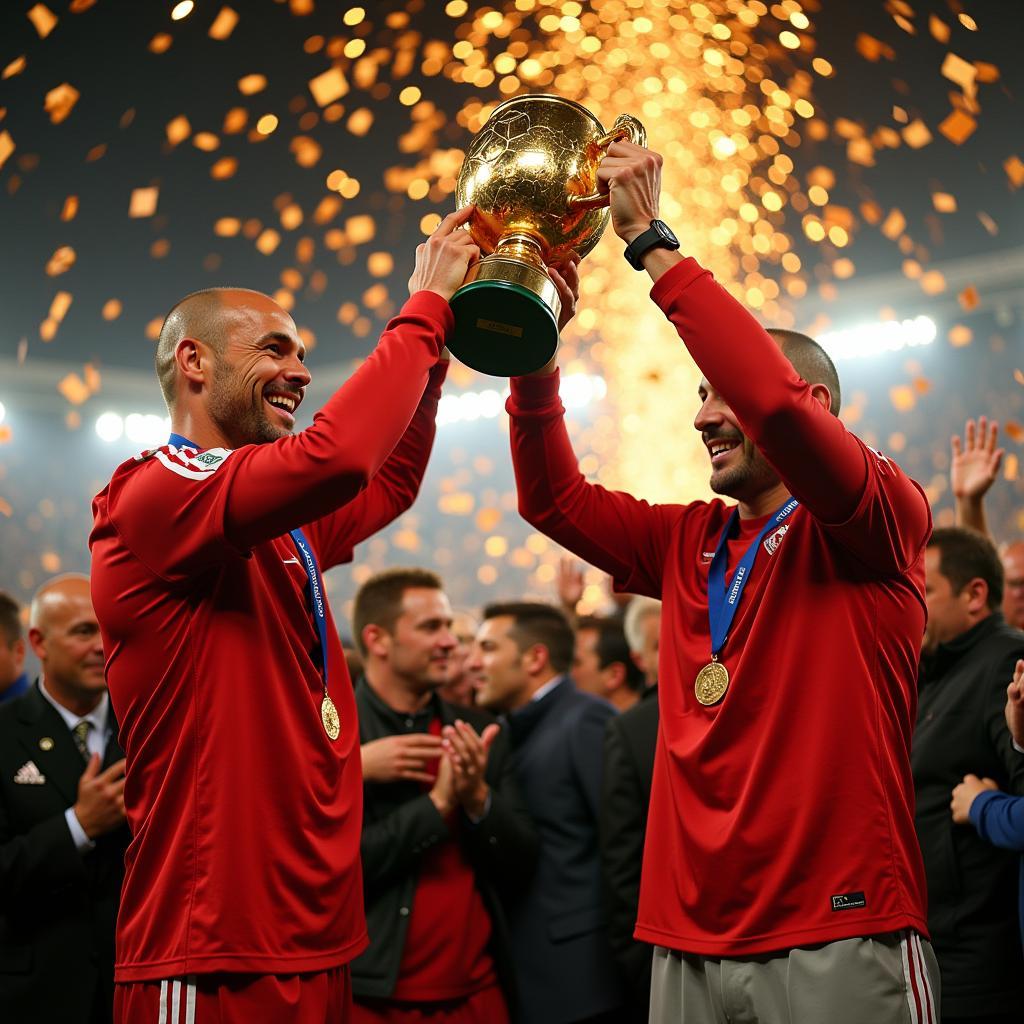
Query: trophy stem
(521, 247)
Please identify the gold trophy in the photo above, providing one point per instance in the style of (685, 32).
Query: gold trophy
(532, 173)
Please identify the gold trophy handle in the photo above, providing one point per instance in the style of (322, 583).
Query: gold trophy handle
(626, 127)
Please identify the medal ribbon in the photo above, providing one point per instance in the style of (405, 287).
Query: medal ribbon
(722, 603)
(308, 562)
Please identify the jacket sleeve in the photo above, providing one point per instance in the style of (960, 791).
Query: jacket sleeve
(391, 491)
(865, 500)
(1011, 760)
(621, 828)
(624, 536)
(41, 860)
(505, 844)
(999, 818)
(392, 845)
(183, 511)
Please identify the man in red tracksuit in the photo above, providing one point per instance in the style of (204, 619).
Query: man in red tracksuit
(782, 879)
(243, 895)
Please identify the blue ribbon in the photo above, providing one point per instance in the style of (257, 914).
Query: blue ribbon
(722, 603)
(308, 562)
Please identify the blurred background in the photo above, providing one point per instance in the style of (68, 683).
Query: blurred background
(851, 170)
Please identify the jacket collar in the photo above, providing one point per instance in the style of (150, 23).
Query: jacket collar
(399, 721)
(524, 720)
(947, 655)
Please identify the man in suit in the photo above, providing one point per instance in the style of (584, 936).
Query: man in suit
(62, 830)
(520, 662)
(13, 680)
(445, 833)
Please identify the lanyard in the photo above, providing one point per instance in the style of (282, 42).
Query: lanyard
(316, 594)
(722, 603)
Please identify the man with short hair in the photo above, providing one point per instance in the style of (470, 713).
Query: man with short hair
(603, 664)
(782, 876)
(445, 832)
(520, 664)
(243, 894)
(13, 678)
(961, 730)
(642, 626)
(62, 822)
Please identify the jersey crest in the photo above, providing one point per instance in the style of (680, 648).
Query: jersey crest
(774, 539)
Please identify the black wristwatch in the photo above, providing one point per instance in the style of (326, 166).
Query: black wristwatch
(658, 236)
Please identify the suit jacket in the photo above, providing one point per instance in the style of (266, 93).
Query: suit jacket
(58, 907)
(559, 927)
(972, 885)
(400, 824)
(629, 744)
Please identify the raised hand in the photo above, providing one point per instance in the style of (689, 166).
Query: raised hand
(976, 459)
(443, 260)
(632, 176)
(569, 582)
(467, 753)
(1015, 705)
(567, 280)
(400, 758)
(100, 805)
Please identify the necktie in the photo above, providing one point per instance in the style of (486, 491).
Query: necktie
(81, 735)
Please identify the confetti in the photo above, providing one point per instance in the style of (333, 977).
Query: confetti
(43, 19)
(61, 261)
(14, 68)
(961, 72)
(1018, 376)
(873, 49)
(224, 24)
(903, 397)
(985, 72)
(111, 309)
(178, 130)
(329, 86)
(143, 202)
(6, 146)
(916, 134)
(252, 84)
(1014, 168)
(894, 224)
(1014, 431)
(933, 282)
(944, 202)
(958, 127)
(968, 298)
(60, 101)
(960, 335)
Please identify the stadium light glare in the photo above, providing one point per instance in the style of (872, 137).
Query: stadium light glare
(140, 428)
(3, 412)
(109, 427)
(577, 390)
(874, 339)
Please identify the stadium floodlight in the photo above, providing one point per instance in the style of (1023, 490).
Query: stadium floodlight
(3, 412)
(577, 390)
(874, 339)
(110, 427)
(140, 428)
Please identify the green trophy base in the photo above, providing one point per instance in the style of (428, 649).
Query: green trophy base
(502, 328)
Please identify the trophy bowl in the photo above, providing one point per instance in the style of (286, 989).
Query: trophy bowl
(531, 172)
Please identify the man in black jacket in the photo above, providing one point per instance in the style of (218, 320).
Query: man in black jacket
(62, 831)
(445, 834)
(521, 659)
(972, 885)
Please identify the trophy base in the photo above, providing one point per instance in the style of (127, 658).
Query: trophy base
(502, 328)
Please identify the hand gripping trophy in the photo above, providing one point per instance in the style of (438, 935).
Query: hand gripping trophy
(532, 174)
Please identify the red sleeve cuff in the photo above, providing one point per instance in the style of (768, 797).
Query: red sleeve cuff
(676, 280)
(430, 304)
(531, 394)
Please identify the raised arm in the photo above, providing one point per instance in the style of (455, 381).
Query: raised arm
(973, 469)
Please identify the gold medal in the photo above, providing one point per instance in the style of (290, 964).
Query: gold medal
(329, 716)
(711, 684)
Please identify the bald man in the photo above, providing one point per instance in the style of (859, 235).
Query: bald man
(62, 822)
(243, 898)
(1013, 590)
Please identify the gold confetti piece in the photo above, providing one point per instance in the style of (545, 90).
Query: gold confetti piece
(93, 381)
(291, 217)
(6, 146)
(960, 335)
(15, 67)
(252, 84)
(902, 397)
(267, 124)
(1018, 376)
(360, 121)
(96, 153)
(60, 306)
(986, 73)
(206, 141)
(912, 270)
(224, 24)
(960, 71)
(967, 21)
(933, 282)
(860, 151)
(72, 419)
(968, 298)
(458, 503)
(944, 202)
(268, 241)
(227, 227)
(380, 264)
(111, 309)
(306, 150)
(178, 129)
(1011, 468)
(5, 505)
(48, 329)
(60, 101)
(958, 127)
(873, 49)
(916, 134)
(74, 389)
(1014, 431)
(182, 10)
(894, 224)
(899, 114)
(301, 8)
(43, 19)
(160, 248)
(1014, 167)
(61, 261)
(329, 86)
(79, 6)
(143, 202)
(160, 43)
(235, 120)
(153, 328)
(224, 168)
(922, 385)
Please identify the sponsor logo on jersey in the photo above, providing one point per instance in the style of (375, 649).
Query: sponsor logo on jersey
(707, 556)
(185, 462)
(849, 901)
(209, 459)
(774, 539)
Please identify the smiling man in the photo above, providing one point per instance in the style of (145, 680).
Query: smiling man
(243, 894)
(782, 878)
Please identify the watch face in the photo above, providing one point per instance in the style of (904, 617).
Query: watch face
(664, 231)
